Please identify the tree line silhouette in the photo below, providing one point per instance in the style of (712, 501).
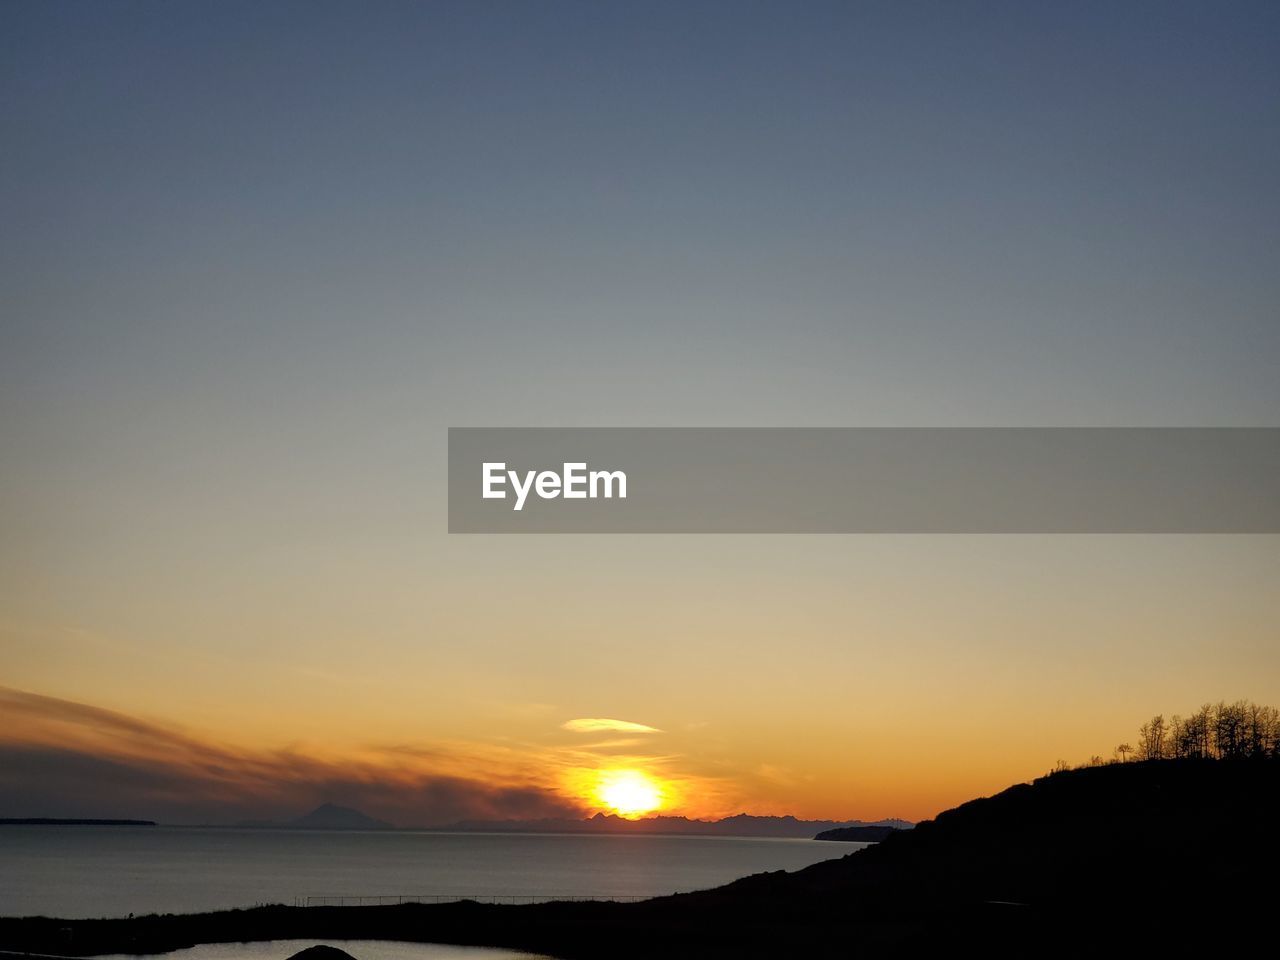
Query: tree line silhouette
(1221, 731)
(1217, 731)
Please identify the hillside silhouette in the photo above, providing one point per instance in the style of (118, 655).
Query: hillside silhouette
(1133, 856)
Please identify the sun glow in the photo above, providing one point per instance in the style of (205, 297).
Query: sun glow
(629, 793)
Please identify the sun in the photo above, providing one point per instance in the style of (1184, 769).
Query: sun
(629, 793)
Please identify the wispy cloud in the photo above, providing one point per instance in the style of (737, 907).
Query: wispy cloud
(598, 724)
(62, 758)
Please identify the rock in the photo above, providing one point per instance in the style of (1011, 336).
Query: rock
(322, 952)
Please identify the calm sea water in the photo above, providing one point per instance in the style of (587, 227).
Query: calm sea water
(114, 871)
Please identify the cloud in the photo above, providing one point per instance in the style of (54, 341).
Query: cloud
(598, 724)
(59, 758)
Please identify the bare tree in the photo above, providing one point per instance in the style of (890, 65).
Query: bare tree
(1151, 742)
(1225, 731)
(1231, 729)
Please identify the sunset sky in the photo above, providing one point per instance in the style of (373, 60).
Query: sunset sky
(256, 259)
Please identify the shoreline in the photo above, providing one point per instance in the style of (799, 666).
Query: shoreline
(998, 873)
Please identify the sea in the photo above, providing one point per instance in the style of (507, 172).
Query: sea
(106, 871)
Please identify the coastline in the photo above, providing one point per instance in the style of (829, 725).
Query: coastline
(1023, 866)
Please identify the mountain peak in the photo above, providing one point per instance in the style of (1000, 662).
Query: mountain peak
(330, 816)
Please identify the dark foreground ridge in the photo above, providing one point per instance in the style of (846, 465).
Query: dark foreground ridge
(1105, 859)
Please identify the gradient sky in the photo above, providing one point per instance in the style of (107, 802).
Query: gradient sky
(256, 258)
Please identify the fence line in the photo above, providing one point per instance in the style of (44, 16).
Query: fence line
(508, 898)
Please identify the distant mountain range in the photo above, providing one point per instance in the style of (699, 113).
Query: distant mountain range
(742, 825)
(872, 833)
(327, 816)
(331, 817)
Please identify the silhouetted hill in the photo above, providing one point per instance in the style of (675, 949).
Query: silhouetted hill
(1102, 861)
(1116, 851)
(1116, 825)
(741, 825)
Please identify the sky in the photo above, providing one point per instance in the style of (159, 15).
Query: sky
(257, 258)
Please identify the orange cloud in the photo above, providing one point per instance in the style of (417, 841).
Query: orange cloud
(600, 724)
(62, 758)
(65, 758)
